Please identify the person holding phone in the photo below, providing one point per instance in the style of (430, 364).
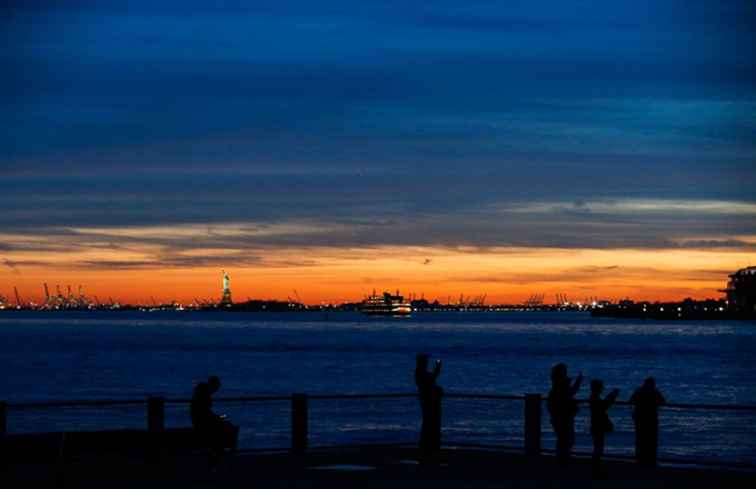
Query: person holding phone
(601, 425)
(563, 408)
(214, 429)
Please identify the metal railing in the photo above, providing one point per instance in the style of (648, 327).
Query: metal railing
(532, 418)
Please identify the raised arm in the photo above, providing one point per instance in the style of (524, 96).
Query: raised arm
(576, 385)
(660, 398)
(437, 370)
(611, 397)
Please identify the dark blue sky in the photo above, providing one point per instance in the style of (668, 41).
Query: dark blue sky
(536, 123)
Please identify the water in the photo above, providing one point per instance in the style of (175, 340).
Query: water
(132, 355)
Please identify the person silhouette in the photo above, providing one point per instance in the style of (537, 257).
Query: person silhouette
(430, 395)
(600, 422)
(646, 400)
(563, 409)
(214, 430)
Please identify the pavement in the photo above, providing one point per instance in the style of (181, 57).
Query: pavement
(376, 467)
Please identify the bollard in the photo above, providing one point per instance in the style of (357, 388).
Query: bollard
(532, 424)
(3, 418)
(298, 424)
(155, 427)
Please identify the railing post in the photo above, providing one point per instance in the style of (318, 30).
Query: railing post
(3, 418)
(155, 426)
(3, 431)
(298, 424)
(532, 424)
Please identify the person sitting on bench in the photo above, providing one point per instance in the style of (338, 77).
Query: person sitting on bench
(215, 431)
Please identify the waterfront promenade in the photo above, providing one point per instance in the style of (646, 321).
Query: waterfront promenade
(148, 458)
(367, 467)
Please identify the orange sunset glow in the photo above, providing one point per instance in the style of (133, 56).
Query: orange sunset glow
(505, 275)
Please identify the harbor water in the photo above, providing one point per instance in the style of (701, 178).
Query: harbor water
(130, 355)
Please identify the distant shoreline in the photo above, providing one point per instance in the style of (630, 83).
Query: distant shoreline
(615, 312)
(297, 311)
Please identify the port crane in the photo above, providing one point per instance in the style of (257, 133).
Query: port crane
(534, 300)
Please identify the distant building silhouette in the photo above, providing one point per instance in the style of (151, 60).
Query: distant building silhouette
(741, 291)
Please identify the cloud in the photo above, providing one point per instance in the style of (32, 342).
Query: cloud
(239, 225)
(167, 131)
(13, 266)
(598, 276)
(640, 207)
(264, 88)
(716, 243)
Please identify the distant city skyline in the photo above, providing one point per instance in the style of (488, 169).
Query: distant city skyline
(602, 282)
(588, 149)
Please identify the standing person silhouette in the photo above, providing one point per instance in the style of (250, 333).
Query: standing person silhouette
(430, 395)
(563, 408)
(647, 400)
(600, 422)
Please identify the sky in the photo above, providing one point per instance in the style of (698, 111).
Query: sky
(589, 148)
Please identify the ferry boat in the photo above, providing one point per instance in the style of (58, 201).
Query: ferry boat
(386, 305)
